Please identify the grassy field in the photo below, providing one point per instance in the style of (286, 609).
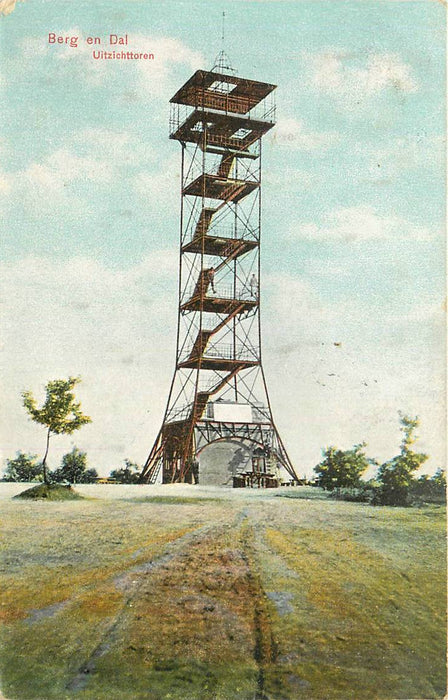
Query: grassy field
(187, 593)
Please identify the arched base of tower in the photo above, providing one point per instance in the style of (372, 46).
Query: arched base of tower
(216, 453)
(221, 461)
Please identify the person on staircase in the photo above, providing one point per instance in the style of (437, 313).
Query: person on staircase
(211, 279)
(253, 284)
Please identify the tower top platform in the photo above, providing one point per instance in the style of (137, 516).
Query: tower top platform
(229, 93)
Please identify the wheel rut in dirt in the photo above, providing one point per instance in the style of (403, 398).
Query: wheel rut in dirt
(265, 645)
(128, 582)
(199, 606)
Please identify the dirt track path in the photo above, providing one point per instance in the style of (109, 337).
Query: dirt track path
(194, 623)
(222, 598)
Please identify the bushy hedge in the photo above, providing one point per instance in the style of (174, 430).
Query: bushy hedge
(420, 491)
(361, 494)
(395, 483)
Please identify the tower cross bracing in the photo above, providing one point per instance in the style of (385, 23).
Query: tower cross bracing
(218, 392)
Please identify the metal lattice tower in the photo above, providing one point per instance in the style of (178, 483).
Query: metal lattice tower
(219, 392)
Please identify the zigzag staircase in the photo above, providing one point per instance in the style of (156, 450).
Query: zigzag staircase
(228, 250)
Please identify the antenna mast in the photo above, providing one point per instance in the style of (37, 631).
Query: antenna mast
(222, 61)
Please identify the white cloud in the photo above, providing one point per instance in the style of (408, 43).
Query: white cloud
(63, 166)
(78, 59)
(295, 135)
(427, 311)
(45, 185)
(352, 81)
(93, 155)
(159, 188)
(117, 148)
(360, 223)
(387, 71)
(99, 157)
(292, 177)
(156, 77)
(418, 152)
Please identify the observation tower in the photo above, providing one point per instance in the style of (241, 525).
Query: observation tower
(218, 426)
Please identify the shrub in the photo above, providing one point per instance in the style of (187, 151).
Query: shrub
(396, 476)
(361, 494)
(24, 467)
(342, 469)
(129, 474)
(428, 489)
(73, 469)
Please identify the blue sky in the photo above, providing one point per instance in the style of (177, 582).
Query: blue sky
(353, 214)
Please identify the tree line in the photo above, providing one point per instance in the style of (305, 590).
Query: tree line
(60, 414)
(395, 484)
(340, 472)
(72, 470)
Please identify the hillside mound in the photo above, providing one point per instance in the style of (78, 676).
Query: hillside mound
(51, 492)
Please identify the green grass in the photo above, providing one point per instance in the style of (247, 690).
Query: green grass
(372, 605)
(300, 599)
(174, 500)
(304, 492)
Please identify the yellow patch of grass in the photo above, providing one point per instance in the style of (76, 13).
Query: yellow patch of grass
(101, 603)
(361, 619)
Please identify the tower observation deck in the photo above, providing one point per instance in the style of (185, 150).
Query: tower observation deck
(218, 426)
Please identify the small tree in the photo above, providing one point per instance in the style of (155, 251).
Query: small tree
(24, 467)
(74, 469)
(342, 469)
(397, 475)
(129, 474)
(60, 413)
